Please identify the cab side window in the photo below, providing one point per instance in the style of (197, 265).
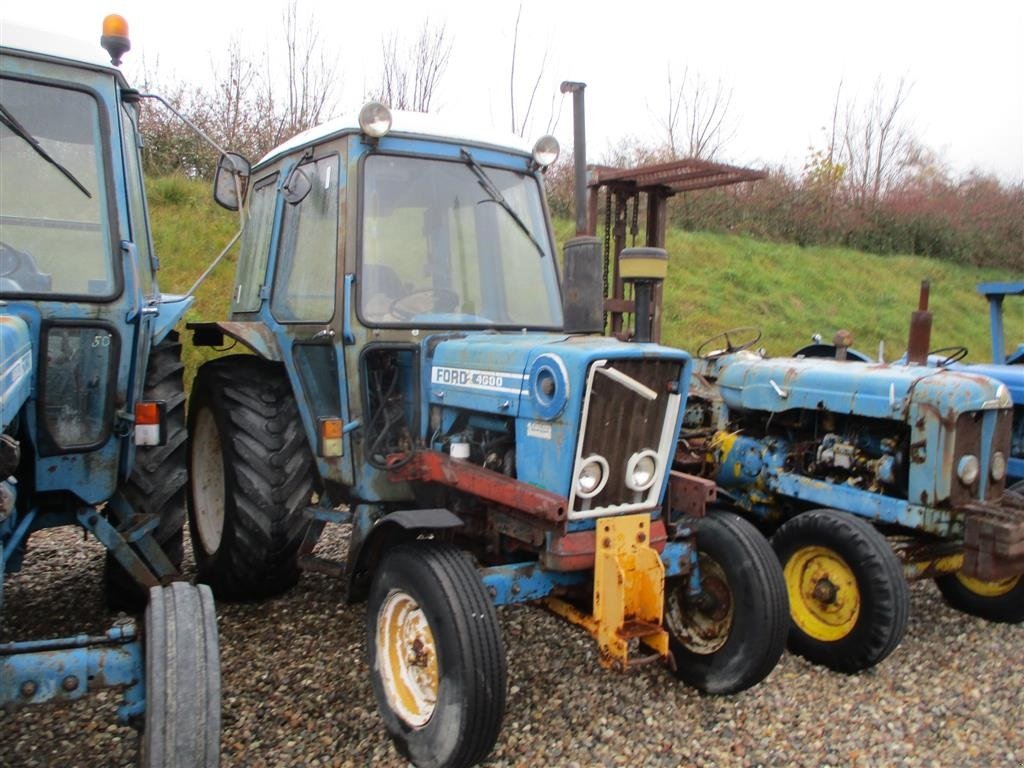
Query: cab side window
(307, 251)
(252, 261)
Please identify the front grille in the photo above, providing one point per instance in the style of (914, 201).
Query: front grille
(970, 429)
(620, 421)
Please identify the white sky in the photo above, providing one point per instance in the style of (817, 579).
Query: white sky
(782, 61)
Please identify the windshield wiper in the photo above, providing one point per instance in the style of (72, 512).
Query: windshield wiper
(495, 194)
(11, 122)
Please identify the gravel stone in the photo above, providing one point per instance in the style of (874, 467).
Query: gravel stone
(297, 691)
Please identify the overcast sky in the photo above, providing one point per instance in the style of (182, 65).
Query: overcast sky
(782, 61)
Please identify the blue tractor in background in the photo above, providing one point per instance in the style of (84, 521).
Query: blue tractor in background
(92, 407)
(416, 374)
(1008, 366)
(864, 473)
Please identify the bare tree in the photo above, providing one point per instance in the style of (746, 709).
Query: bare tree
(409, 82)
(876, 143)
(520, 125)
(312, 80)
(695, 122)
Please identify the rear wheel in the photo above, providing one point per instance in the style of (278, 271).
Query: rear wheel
(157, 482)
(251, 477)
(436, 656)
(182, 722)
(847, 595)
(733, 635)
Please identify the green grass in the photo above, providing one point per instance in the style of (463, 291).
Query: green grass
(715, 282)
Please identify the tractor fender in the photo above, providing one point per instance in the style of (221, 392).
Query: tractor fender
(255, 336)
(172, 308)
(368, 544)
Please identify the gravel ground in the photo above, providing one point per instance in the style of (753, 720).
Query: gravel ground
(297, 693)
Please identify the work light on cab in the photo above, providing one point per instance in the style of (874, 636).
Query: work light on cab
(375, 119)
(545, 151)
(115, 38)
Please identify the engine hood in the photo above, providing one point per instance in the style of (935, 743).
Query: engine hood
(877, 390)
(497, 373)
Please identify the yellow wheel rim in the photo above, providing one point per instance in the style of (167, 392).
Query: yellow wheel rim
(824, 600)
(989, 588)
(407, 659)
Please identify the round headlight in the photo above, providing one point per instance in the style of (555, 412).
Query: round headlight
(545, 151)
(641, 470)
(591, 478)
(998, 468)
(967, 470)
(375, 119)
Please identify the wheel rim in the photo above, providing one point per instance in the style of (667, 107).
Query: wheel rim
(702, 626)
(207, 474)
(824, 600)
(989, 588)
(407, 658)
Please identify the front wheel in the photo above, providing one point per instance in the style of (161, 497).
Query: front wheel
(182, 722)
(732, 635)
(436, 658)
(847, 594)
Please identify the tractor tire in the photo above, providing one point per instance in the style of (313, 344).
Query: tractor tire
(157, 482)
(848, 598)
(734, 641)
(1000, 601)
(182, 722)
(251, 476)
(437, 661)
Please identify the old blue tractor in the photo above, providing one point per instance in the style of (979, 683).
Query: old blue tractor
(864, 473)
(92, 422)
(415, 373)
(1008, 366)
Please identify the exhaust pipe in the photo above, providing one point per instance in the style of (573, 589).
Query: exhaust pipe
(920, 329)
(579, 152)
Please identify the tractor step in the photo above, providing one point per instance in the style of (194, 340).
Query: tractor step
(317, 564)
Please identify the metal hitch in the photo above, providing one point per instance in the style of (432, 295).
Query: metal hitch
(629, 594)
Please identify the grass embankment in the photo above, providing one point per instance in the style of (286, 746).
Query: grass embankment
(715, 282)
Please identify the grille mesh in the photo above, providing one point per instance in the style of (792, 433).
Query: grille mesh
(621, 422)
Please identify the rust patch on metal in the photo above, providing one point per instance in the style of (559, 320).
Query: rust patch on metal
(436, 467)
(689, 494)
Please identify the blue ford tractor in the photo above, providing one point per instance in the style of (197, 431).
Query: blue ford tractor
(92, 422)
(865, 474)
(413, 371)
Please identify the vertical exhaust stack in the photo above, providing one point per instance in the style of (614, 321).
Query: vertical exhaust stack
(579, 153)
(583, 278)
(920, 329)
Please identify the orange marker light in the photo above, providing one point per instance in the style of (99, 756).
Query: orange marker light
(149, 423)
(147, 413)
(331, 431)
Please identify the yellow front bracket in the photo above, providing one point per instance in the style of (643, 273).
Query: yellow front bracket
(629, 592)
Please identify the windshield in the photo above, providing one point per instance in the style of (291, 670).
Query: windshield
(54, 234)
(440, 248)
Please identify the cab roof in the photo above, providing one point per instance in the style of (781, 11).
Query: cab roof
(48, 45)
(417, 124)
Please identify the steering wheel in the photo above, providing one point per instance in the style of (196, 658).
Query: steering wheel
(729, 346)
(953, 355)
(444, 301)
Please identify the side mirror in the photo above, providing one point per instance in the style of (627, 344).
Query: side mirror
(232, 181)
(296, 186)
